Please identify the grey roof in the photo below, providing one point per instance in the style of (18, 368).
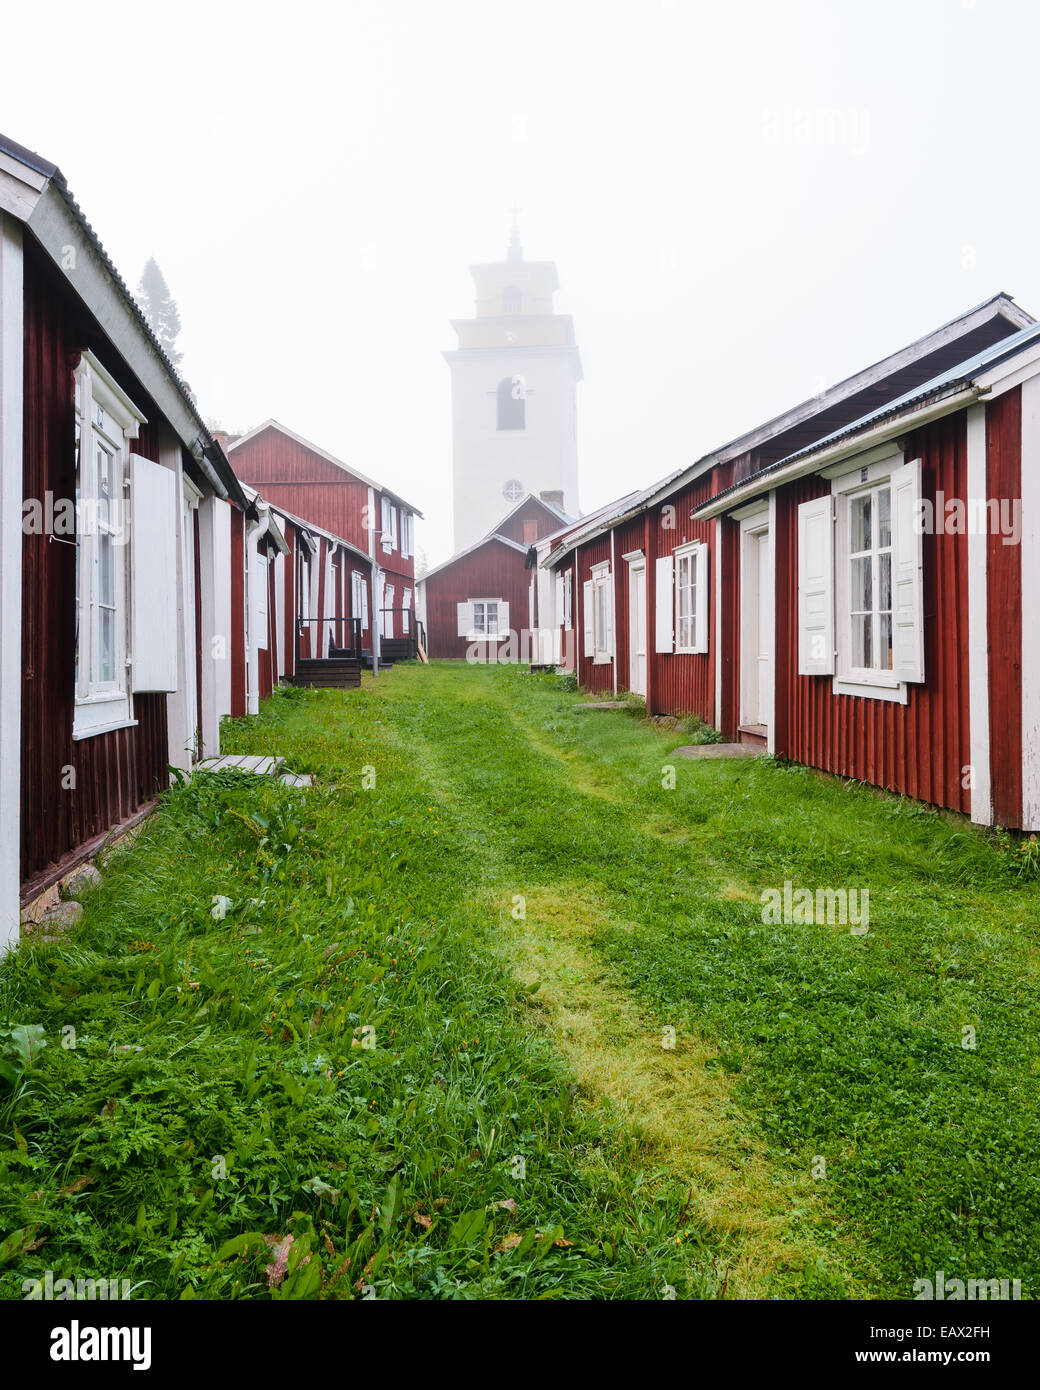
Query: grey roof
(56, 178)
(947, 383)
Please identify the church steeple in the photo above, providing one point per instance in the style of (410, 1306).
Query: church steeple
(514, 407)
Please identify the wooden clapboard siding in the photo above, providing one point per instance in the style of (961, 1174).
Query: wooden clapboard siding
(493, 570)
(682, 683)
(921, 748)
(1004, 612)
(114, 773)
(598, 678)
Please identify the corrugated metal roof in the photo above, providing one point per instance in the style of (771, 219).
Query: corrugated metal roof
(53, 174)
(947, 383)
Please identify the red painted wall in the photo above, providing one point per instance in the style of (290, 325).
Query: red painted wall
(598, 678)
(288, 474)
(918, 748)
(115, 773)
(493, 570)
(683, 684)
(1004, 587)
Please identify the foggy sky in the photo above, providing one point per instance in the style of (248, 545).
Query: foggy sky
(745, 201)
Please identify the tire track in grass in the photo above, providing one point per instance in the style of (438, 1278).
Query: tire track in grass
(678, 1105)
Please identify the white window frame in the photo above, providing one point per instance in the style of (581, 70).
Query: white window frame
(602, 594)
(407, 534)
(849, 679)
(388, 519)
(482, 631)
(687, 558)
(568, 600)
(114, 420)
(406, 615)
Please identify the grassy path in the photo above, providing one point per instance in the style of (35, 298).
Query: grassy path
(798, 1043)
(420, 1032)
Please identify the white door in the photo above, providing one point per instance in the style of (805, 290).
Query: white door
(637, 629)
(765, 627)
(756, 627)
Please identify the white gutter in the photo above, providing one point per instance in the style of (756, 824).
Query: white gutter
(836, 452)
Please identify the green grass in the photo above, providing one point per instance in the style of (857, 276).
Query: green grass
(202, 1045)
(220, 1086)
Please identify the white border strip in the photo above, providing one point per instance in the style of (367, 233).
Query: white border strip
(978, 628)
(11, 469)
(1030, 490)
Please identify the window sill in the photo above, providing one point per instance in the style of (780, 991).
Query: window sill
(101, 713)
(871, 690)
(93, 730)
(601, 659)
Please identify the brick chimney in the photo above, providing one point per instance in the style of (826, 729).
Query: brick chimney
(554, 498)
(224, 439)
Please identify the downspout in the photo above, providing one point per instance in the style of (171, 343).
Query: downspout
(377, 615)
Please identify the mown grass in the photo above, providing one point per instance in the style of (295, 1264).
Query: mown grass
(850, 1049)
(340, 1058)
(520, 908)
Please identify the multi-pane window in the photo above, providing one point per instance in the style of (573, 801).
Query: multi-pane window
(389, 524)
(686, 600)
(568, 600)
(870, 579)
(485, 618)
(109, 475)
(105, 421)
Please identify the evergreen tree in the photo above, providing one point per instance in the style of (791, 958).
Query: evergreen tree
(160, 309)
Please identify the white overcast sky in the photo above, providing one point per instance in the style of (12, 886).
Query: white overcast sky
(746, 201)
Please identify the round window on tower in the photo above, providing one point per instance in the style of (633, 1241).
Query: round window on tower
(513, 490)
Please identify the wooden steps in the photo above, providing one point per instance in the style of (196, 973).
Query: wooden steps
(393, 649)
(754, 735)
(333, 673)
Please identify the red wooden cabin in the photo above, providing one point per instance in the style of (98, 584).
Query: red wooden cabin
(361, 516)
(784, 590)
(114, 504)
(486, 596)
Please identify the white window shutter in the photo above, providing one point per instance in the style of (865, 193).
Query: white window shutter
(607, 599)
(700, 636)
(503, 618)
(907, 588)
(153, 575)
(260, 601)
(664, 607)
(559, 600)
(587, 617)
(465, 617)
(816, 587)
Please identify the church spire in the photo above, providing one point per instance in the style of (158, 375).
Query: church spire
(516, 251)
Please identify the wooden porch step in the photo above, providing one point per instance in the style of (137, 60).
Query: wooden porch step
(754, 735)
(243, 762)
(332, 673)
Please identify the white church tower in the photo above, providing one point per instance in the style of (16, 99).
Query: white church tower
(513, 390)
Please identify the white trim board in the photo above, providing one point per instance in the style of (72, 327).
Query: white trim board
(11, 468)
(1030, 490)
(978, 628)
